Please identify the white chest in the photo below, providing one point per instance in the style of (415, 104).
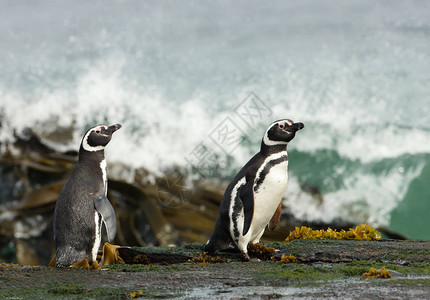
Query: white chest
(98, 237)
(104, 174)
(269, 195)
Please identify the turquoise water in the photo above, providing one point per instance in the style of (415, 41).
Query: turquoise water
(355, 72)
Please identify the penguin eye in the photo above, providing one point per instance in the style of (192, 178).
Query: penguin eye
(281, 126)
(98, 131)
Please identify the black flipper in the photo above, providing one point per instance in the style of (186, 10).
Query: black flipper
(104, 208)
(246, 195)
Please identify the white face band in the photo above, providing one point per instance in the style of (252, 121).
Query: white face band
(87, 146)
(267, 141)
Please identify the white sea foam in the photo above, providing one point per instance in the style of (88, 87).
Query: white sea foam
(356, 76)
(157, 135)
(351, 133)
(364, 198)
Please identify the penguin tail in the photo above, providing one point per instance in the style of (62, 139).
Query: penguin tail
(209, 247)
(216, 243)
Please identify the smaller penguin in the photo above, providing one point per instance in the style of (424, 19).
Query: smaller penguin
(253, 199)
(82, 205)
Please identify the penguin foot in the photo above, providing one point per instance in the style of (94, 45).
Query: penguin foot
(255, 259)
(84, 263)
(99, 255)
(110, 255)
(53, 262)
(245, 256)
(95, 266)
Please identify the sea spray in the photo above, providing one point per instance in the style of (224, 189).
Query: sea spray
(355, 74)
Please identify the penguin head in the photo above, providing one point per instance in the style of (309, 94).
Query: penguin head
(98, 137)
(281, 132)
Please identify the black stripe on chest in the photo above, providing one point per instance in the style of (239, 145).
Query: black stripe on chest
(266, 170)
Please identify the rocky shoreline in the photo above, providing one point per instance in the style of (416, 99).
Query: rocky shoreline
(174, 219)
(151, 210)
(325, 269)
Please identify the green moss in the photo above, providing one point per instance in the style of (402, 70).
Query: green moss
(390, 251)
(67, 289)
(134, 268)
(413, 253)
(411, 282)
(149, 268)
(188, 250)
(359, 267)
(20, 281)
(72, 291)
(296, 273)
(425, 267)
(160, 294)
(355, 268)
(325, 273)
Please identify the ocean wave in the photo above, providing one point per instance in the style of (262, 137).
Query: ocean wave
(357, 78)
(367, 194)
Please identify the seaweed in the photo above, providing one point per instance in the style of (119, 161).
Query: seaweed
(362, 232)
(137, 294)
(141, 259)
(374, 273)
(287, 259)
(204, 258)
(260, 251)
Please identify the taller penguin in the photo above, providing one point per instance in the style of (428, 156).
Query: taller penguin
(253, 198)
(82, 205)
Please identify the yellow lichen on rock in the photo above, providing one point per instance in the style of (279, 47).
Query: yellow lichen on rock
(288, 259)
(363, 232)
(373, 273)
(136, 294)
(204, 258)
(260, 251)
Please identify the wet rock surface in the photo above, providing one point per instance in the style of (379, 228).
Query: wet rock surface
(320, 273)
(396, 252)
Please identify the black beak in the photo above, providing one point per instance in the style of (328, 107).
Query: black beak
(111, 129)
(296, 126)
